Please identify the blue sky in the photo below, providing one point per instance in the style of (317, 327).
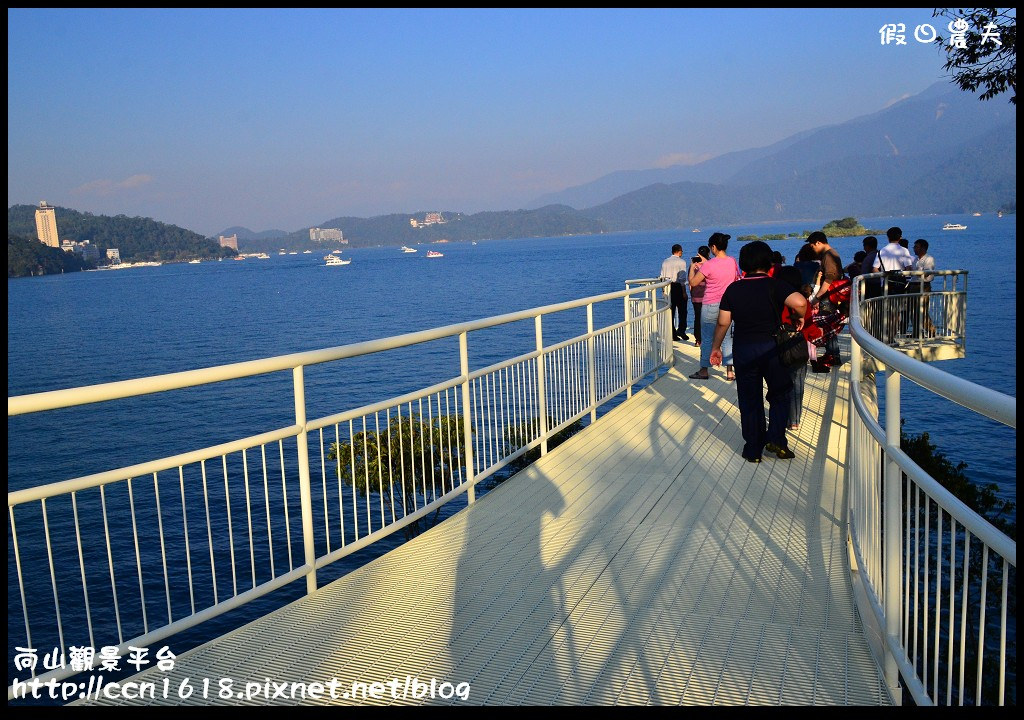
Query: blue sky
(287, 118)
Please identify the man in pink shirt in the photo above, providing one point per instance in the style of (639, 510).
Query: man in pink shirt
(718, 273)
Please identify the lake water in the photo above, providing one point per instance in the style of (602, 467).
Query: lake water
(87, 328)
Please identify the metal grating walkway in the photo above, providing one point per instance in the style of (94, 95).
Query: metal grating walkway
(641, 562)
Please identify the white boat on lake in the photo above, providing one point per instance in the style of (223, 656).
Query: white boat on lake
(954, 226)
(434, 253)
(335, 260)
(408, 249)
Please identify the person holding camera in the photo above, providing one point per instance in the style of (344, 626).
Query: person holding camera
(697, 291)
(719, 271)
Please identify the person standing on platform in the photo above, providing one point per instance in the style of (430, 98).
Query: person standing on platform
(853, 269)
(895, 257)
(798, 375)
(674, 268)
(697, 291)
(755, 304)
(831, 264)
(831, 272)
(809, 267)
(718, 272)
(872, 288)
(920, 286)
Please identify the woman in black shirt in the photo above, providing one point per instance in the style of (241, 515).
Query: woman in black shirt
(753, 305)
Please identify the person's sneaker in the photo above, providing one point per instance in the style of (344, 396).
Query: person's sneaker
(780, 452)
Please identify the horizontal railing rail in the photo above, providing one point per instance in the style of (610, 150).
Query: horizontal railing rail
(939, 579)
(133, 555)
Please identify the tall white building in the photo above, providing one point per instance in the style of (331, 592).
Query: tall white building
(46, 225)
(321, 234)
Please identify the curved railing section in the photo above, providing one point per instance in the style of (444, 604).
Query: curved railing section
(935, 574)
(130, 556)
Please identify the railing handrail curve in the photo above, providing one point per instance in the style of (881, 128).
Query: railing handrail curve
(982, 400)
(884, 524)
(53, 399)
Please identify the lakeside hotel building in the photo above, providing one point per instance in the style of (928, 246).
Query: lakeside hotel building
(46, 225)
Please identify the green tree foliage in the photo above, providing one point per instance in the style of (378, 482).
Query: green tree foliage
(847, 223)
(27, 256)
(519, 436)
(136, 238)
(980, 62)
(409, 460)
(776, 237)
(847, 227)
(982, 499)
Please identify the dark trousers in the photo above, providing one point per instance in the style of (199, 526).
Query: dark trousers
(798, 376)
(897, 318)
(677, 297)
(757, 364)
(872, 289)
(696, 319)
(917, 301)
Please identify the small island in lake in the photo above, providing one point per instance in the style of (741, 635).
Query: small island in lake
(846, 227)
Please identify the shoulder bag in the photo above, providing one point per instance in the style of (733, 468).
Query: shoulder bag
(895, 280)
(789, 342)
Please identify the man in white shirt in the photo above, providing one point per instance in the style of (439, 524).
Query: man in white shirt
(923, 262)
(921, 285)
(674, 268)
(895, 257)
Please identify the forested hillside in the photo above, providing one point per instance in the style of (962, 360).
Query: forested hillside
(136, 238)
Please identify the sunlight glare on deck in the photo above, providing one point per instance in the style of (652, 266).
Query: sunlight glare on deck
(643, 561)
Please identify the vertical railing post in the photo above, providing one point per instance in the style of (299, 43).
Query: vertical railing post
(467, 419)
(891, 527)
(305, 494)
(591, 362)
(958, 311)
(665, 333)
(855, 446)
(653, 338)
(629, 348)
(542, 391)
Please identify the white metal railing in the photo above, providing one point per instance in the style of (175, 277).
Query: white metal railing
(151, 549)
(919, 318)
(935, 573)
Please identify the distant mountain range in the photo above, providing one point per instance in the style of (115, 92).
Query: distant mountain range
(868, 165)
(942, 151)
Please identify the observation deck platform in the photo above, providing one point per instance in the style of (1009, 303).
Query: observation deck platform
(642, 561)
